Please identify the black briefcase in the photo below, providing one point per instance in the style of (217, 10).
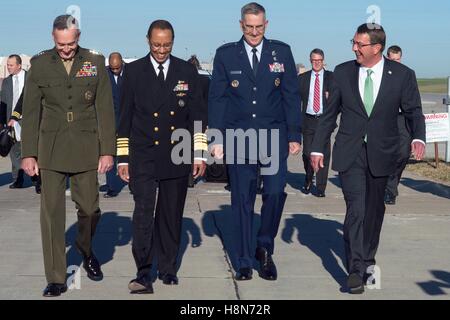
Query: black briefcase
(6, 141)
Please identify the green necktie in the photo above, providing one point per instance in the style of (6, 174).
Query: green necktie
(368, 93)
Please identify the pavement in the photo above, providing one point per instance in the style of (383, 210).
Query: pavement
(414, 253)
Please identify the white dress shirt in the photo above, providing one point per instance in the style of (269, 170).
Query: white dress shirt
(17, 91)
(249, 48)
(156, 65)
(376, 79)
(310, 107)
(116, 77)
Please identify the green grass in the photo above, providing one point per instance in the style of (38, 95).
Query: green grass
(437, 85)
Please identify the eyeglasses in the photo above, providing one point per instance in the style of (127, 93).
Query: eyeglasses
(360, 45)
(165, 46)
(248, 28)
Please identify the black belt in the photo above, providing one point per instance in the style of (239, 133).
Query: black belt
(314, 116)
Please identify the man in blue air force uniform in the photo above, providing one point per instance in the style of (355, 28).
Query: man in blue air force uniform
(254, 87)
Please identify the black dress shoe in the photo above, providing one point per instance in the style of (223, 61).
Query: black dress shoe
(306, 189)
(54, 290)
(389, 198)
(168, 278)
(16, 185)
(110, 194)
(267, 270)
(140, 287)
(355, 283)
(320, 194)
(244, 274)
(91, 265)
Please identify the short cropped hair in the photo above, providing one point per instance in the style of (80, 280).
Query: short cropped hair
(376, 33)
(252, 8)
(65, 21)
(317, 51)
(162, 25)
(17, 57)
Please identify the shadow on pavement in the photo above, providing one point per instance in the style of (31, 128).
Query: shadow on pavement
(221, 223)
(295, 180)
(323, 238)
(425, 186)
(112, 231)
(434, 287)
(190, 234)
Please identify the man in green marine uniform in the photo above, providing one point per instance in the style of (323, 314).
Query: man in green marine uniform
(68, 131)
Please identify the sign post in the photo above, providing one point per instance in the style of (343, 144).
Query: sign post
(447, 102)
(437, 130)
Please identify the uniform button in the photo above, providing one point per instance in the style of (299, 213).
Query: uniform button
(156, 129)
(156, 114)
(255, 88)
(172, 142)
(172, 113)
(69, 86)
(172, 128)
(254, 115)
(254, 102)
(69, 97)
(70, 108)
(157, 143)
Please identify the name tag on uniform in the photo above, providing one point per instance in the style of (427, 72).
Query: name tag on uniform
(276, 67)
(87, 70)
(236, 72)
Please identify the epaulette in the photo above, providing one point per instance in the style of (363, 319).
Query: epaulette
(95, 52)
(278, 42)
(40, 54)
(226, 45)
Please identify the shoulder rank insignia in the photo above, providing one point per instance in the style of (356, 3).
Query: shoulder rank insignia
(95, 52)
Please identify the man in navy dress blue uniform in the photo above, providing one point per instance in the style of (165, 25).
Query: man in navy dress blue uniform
(254, 87)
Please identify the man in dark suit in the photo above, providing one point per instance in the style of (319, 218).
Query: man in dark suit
(161, 94)
(368, 93)
(254, 89)
(394, 53)
(314, 91)
(12, 89)
(115, 71)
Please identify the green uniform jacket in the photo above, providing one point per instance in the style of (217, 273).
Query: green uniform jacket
(68, 120)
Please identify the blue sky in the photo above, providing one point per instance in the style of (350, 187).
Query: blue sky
(421, 28)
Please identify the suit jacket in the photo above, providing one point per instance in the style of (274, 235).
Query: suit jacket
(6, 99)
(150, 113)
(116, 92)
(239, 100)
(398, 89)
(68, 120)
(304, 83)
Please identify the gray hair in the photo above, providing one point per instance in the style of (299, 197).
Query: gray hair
(65, 21)
(252, 8)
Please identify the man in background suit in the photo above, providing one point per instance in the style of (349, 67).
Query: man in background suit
(115, 69)
(368, 93)
(11, 91)
(394, 53)
(314, 91)
(161, 94)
